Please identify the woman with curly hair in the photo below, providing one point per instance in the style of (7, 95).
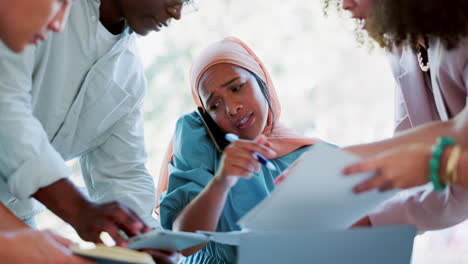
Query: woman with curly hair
(427, 43)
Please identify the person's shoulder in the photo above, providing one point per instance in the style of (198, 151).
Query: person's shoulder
(190, 121)
(191, 135)
(453, 60)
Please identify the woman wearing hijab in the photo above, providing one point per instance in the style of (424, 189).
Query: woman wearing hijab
(211, 190)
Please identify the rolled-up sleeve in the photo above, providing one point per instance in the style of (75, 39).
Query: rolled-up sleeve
(424, 208)
(27, 159)
(115, 170)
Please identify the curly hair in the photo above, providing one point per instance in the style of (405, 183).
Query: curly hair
(403, 22)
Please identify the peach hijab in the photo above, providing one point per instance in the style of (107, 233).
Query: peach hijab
(282, 140)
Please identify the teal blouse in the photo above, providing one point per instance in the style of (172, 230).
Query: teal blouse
(194, 163)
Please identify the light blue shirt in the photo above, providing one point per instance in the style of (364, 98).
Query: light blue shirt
(61, 100)
(194, 163)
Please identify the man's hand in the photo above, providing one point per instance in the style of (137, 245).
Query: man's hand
(90, 219)
(109, 217)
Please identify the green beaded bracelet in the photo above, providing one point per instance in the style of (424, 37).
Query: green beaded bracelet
(434, 163)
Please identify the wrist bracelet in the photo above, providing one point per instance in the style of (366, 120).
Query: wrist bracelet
(451, 174)
(434, 163)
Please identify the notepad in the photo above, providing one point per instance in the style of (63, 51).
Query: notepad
(315, 195)
(113, 255)
(167, 240)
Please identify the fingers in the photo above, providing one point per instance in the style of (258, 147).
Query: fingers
(363, 222)
(363, 166)
(386, 186)
(382, 181)
(240, 162)
(280, 179)
(261, 140)
(113, 231)
(61, 240)
(146, 228)
(255, 147)
(376, 182)
(112, 218)
(127, 220)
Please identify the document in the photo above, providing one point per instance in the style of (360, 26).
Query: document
(232, 238)
(315, 195)
(176, 241)
(380, 245)
(167, 240)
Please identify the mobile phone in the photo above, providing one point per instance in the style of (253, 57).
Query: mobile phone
(215, 132)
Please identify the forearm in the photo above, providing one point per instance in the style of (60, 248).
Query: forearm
(5, 244)
(8, 221)
(64, 199)
(202, 213)
(425, 134)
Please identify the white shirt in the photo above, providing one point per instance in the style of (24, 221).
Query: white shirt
(62, 100)
(105, 40)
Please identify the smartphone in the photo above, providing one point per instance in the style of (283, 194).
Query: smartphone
(215, 132)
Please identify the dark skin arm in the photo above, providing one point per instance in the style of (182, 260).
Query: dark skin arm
(90, 219)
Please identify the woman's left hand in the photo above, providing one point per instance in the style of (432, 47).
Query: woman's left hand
(402, 168)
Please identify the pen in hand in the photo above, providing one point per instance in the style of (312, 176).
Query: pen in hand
(232, 137)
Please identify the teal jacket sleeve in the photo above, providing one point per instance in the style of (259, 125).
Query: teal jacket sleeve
(192, 167)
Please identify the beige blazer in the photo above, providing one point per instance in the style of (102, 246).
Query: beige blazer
(444, 96)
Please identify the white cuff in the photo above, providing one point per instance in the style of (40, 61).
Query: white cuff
(37, 172)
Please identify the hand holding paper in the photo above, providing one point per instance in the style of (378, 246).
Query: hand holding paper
(315, 195)
(393, 167)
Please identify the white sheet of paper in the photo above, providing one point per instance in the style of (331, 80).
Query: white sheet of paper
(232, 238)
(167, 240)
(382, 245)
(315, 196)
